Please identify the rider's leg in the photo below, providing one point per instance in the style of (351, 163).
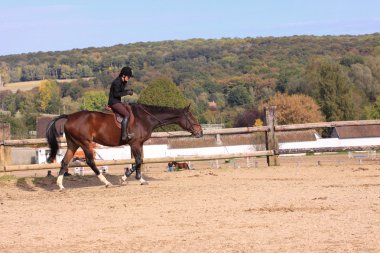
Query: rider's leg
(120, 108)
(124, 129)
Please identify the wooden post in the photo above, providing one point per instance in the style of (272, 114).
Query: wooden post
(2, 156)
(5, 156)
(271, 142)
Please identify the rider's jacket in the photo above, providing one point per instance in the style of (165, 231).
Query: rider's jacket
(117, 90)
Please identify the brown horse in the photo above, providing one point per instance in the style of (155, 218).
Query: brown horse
(85, 127)
(181, 165)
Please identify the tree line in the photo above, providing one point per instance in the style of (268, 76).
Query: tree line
(336, 77)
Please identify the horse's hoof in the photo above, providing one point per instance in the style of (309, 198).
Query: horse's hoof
(62, 189)
(144, 183)
(109, 185)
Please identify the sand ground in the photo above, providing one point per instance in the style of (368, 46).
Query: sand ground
(295, 207)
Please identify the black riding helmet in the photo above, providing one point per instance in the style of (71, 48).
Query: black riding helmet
(126, 71)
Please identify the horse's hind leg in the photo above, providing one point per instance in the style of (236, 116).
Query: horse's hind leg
(89, 152)
(71, 148)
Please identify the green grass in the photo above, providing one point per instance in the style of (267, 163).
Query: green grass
(7, 178)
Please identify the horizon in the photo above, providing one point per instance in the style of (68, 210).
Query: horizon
(42, 26)
(232, 38)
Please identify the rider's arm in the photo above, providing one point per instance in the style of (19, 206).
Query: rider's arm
(118, 90)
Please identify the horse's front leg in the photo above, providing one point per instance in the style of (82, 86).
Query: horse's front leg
(138, 164)
(89, 152)
(136, 151)
(138, 172)
(135, 167)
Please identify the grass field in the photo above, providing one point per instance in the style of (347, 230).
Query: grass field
(22, 86)
(25, 86)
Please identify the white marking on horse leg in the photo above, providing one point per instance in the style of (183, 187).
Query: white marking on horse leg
(142, 181)
(104, 180)
(60, 182)
(124, 178)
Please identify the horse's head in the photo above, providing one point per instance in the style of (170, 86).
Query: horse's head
(190, 123)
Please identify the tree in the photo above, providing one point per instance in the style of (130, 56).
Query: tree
(19, 129)
(348, 61)
(372, 111)
(4, 74)
(294, 109)
(163, 92)
(9, 103)
(331, 88)
(27, 103)
(249, 118)
(66, 72)
(239, 95)
(362, 77)
(69, 106)
(94, 100)
(49, 99)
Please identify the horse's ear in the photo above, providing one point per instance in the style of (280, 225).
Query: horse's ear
(187, 108)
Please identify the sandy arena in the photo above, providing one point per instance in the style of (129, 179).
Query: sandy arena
(294, 207)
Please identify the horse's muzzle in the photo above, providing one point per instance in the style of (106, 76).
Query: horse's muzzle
(198, 134)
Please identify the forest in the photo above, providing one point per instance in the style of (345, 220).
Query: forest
(228, 81)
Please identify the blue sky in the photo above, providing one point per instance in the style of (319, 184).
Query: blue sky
(37, 25)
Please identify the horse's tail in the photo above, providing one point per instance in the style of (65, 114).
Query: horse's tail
(51, 136)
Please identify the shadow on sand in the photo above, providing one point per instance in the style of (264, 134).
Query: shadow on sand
(74, 181)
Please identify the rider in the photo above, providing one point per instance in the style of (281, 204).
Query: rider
(119, 89)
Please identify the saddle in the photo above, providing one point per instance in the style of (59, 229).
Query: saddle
(119, 118)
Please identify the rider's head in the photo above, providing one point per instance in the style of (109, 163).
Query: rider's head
(126, 73)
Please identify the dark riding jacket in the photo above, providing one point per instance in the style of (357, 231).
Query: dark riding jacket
(118, 89)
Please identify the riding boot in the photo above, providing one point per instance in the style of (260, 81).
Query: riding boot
(124, 125)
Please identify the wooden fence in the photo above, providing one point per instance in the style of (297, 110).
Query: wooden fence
(272, 148)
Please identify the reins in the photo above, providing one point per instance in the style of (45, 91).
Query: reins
(164, 123)
(161, 123)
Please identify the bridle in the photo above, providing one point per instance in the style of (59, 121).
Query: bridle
(192, 130)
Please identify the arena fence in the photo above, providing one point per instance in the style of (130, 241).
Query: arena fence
(271, 143)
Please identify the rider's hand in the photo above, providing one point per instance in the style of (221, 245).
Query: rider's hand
(130, 92)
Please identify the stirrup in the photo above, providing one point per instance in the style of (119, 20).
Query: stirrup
(127, 137)
(124, 137)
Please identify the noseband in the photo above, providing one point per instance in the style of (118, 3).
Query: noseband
(187, 116)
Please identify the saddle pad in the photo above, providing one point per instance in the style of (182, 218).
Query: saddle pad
(117, 117)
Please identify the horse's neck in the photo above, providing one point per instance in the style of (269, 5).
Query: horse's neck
(164, 118)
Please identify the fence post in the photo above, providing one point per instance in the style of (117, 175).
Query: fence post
(2, 155)
(5, 156)
(271, 142)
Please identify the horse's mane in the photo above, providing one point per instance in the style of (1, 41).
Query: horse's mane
(155, 108)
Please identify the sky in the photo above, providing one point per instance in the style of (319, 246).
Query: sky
(57, 25)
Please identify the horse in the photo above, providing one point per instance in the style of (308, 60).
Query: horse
(181, 165)
(85, 127)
